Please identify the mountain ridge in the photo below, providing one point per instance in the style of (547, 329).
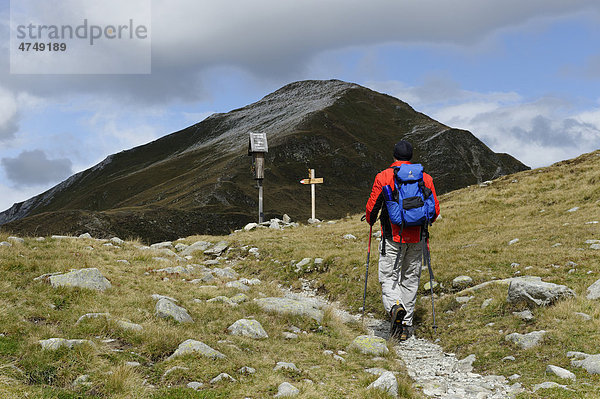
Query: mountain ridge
(343, 130)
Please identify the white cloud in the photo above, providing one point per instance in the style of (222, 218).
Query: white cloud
(537, 132)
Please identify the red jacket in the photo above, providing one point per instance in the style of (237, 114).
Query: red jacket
(410, 234)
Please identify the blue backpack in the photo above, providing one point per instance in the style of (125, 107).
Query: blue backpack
(415, 205)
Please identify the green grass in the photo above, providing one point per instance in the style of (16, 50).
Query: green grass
(471, 238)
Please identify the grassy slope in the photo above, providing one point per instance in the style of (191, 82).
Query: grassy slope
(472, 238)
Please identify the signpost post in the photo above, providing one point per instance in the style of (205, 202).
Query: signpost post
(312, 180)
(257, 147)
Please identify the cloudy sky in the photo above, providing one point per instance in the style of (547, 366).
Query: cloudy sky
(523, 76)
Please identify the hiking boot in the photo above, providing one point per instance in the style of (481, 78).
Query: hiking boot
(407, 332)
(396, 316)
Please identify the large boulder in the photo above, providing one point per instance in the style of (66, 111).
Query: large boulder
(387, 383)
(593, 291)
(591, 363)
(90, 279)
(537, 292)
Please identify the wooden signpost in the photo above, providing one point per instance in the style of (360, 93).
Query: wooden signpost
(258, 147)
(312, 180)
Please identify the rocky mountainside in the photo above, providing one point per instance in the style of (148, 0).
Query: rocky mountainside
(198, 180)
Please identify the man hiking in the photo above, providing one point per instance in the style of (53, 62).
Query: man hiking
(401, 244)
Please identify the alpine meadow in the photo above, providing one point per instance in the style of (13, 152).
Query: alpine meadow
(126, 334)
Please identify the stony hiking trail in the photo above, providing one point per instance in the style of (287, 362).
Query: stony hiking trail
(437, 373)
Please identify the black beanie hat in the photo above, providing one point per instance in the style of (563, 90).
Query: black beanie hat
(403, 151)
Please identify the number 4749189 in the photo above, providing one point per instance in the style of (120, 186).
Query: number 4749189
(42, 46)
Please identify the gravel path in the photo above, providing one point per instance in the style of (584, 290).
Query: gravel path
(442, 375)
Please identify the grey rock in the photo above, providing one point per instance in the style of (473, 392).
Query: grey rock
(595, 246)
(161, 245)
(197, 246)
(222, 377)
(250, 226)
(220, 298)
(133, 364)
(513, 241)
(461, 282)
(387, 383)
(237, 285)
(253, 281)
(592, 241)
(486, 303)
(376, 370)
(175, 270)
(349, 237)
(289, 335)
(90, 278)
(548, 385)
(286, 219)
(525, 315)
(125, 261)
(127, 325)
(191, 346)
(165, 308)
(560, 372)
(537, 293)
(117, 240)
(508, 359)
(158, 297)
(370, 345)
(291, 306)
(464, 299)
(239, 298)
(181, 247)
(248, 328)
(225, 273)
(466, 365)
(593, 291)
(526, 341)
(286, 389)
(195, 385)
(313, 221)
(16, 240)
(275, 225)
(5, 244)
(247, 370)
(574, 209)
(591, 363)
(583, 316)
(218, 249)
(286, 366)
(82, 380)
(57, 343)
(93, 316)
(300, 265)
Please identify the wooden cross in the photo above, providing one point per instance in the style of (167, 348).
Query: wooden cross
(312, 180)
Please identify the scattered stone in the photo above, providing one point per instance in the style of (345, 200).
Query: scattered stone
(548, 385)
(125, 261)
(239, 298)
(222, 377)
(286, 219)
(127, 325)
(82, 380)
(286, 366)
(195, 385)
(584, 316)
(486, 303)
(161, 245)
(513, 241)
(299, 307)
(526, 341)
(248, 328)
(247, 370)
(592, 241)
(508, 359)
(514, 377)
(289, 335)
(536, 293)
(180, 247)
(286, 389)
(83, 278)
(92, 316)
(595, 246)
(525, 315)
(593, 291)
(349, 237)
(560, 372)
(5, 244)
(461, 282)
(591, 363)
(57, 343)
(16, 240)
(387, 383)
(173, 369)
(313, 221)
(197, 246)
(117, 240)
(300, 265)
(165, 308)
(225, 273)
(250, 226)
(466, 365)
(464, 299)
(133, 364)
(339, 358)
(370, 345)
(274, 225)
(574, 209)
(191, 346)
(237, 285)
(218, 249)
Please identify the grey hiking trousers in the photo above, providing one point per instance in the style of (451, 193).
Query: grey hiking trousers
(401, 284)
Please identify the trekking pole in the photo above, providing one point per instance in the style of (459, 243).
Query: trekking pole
(427, 257)
(367, 273)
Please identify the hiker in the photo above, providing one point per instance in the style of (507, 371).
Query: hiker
(398, 243)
